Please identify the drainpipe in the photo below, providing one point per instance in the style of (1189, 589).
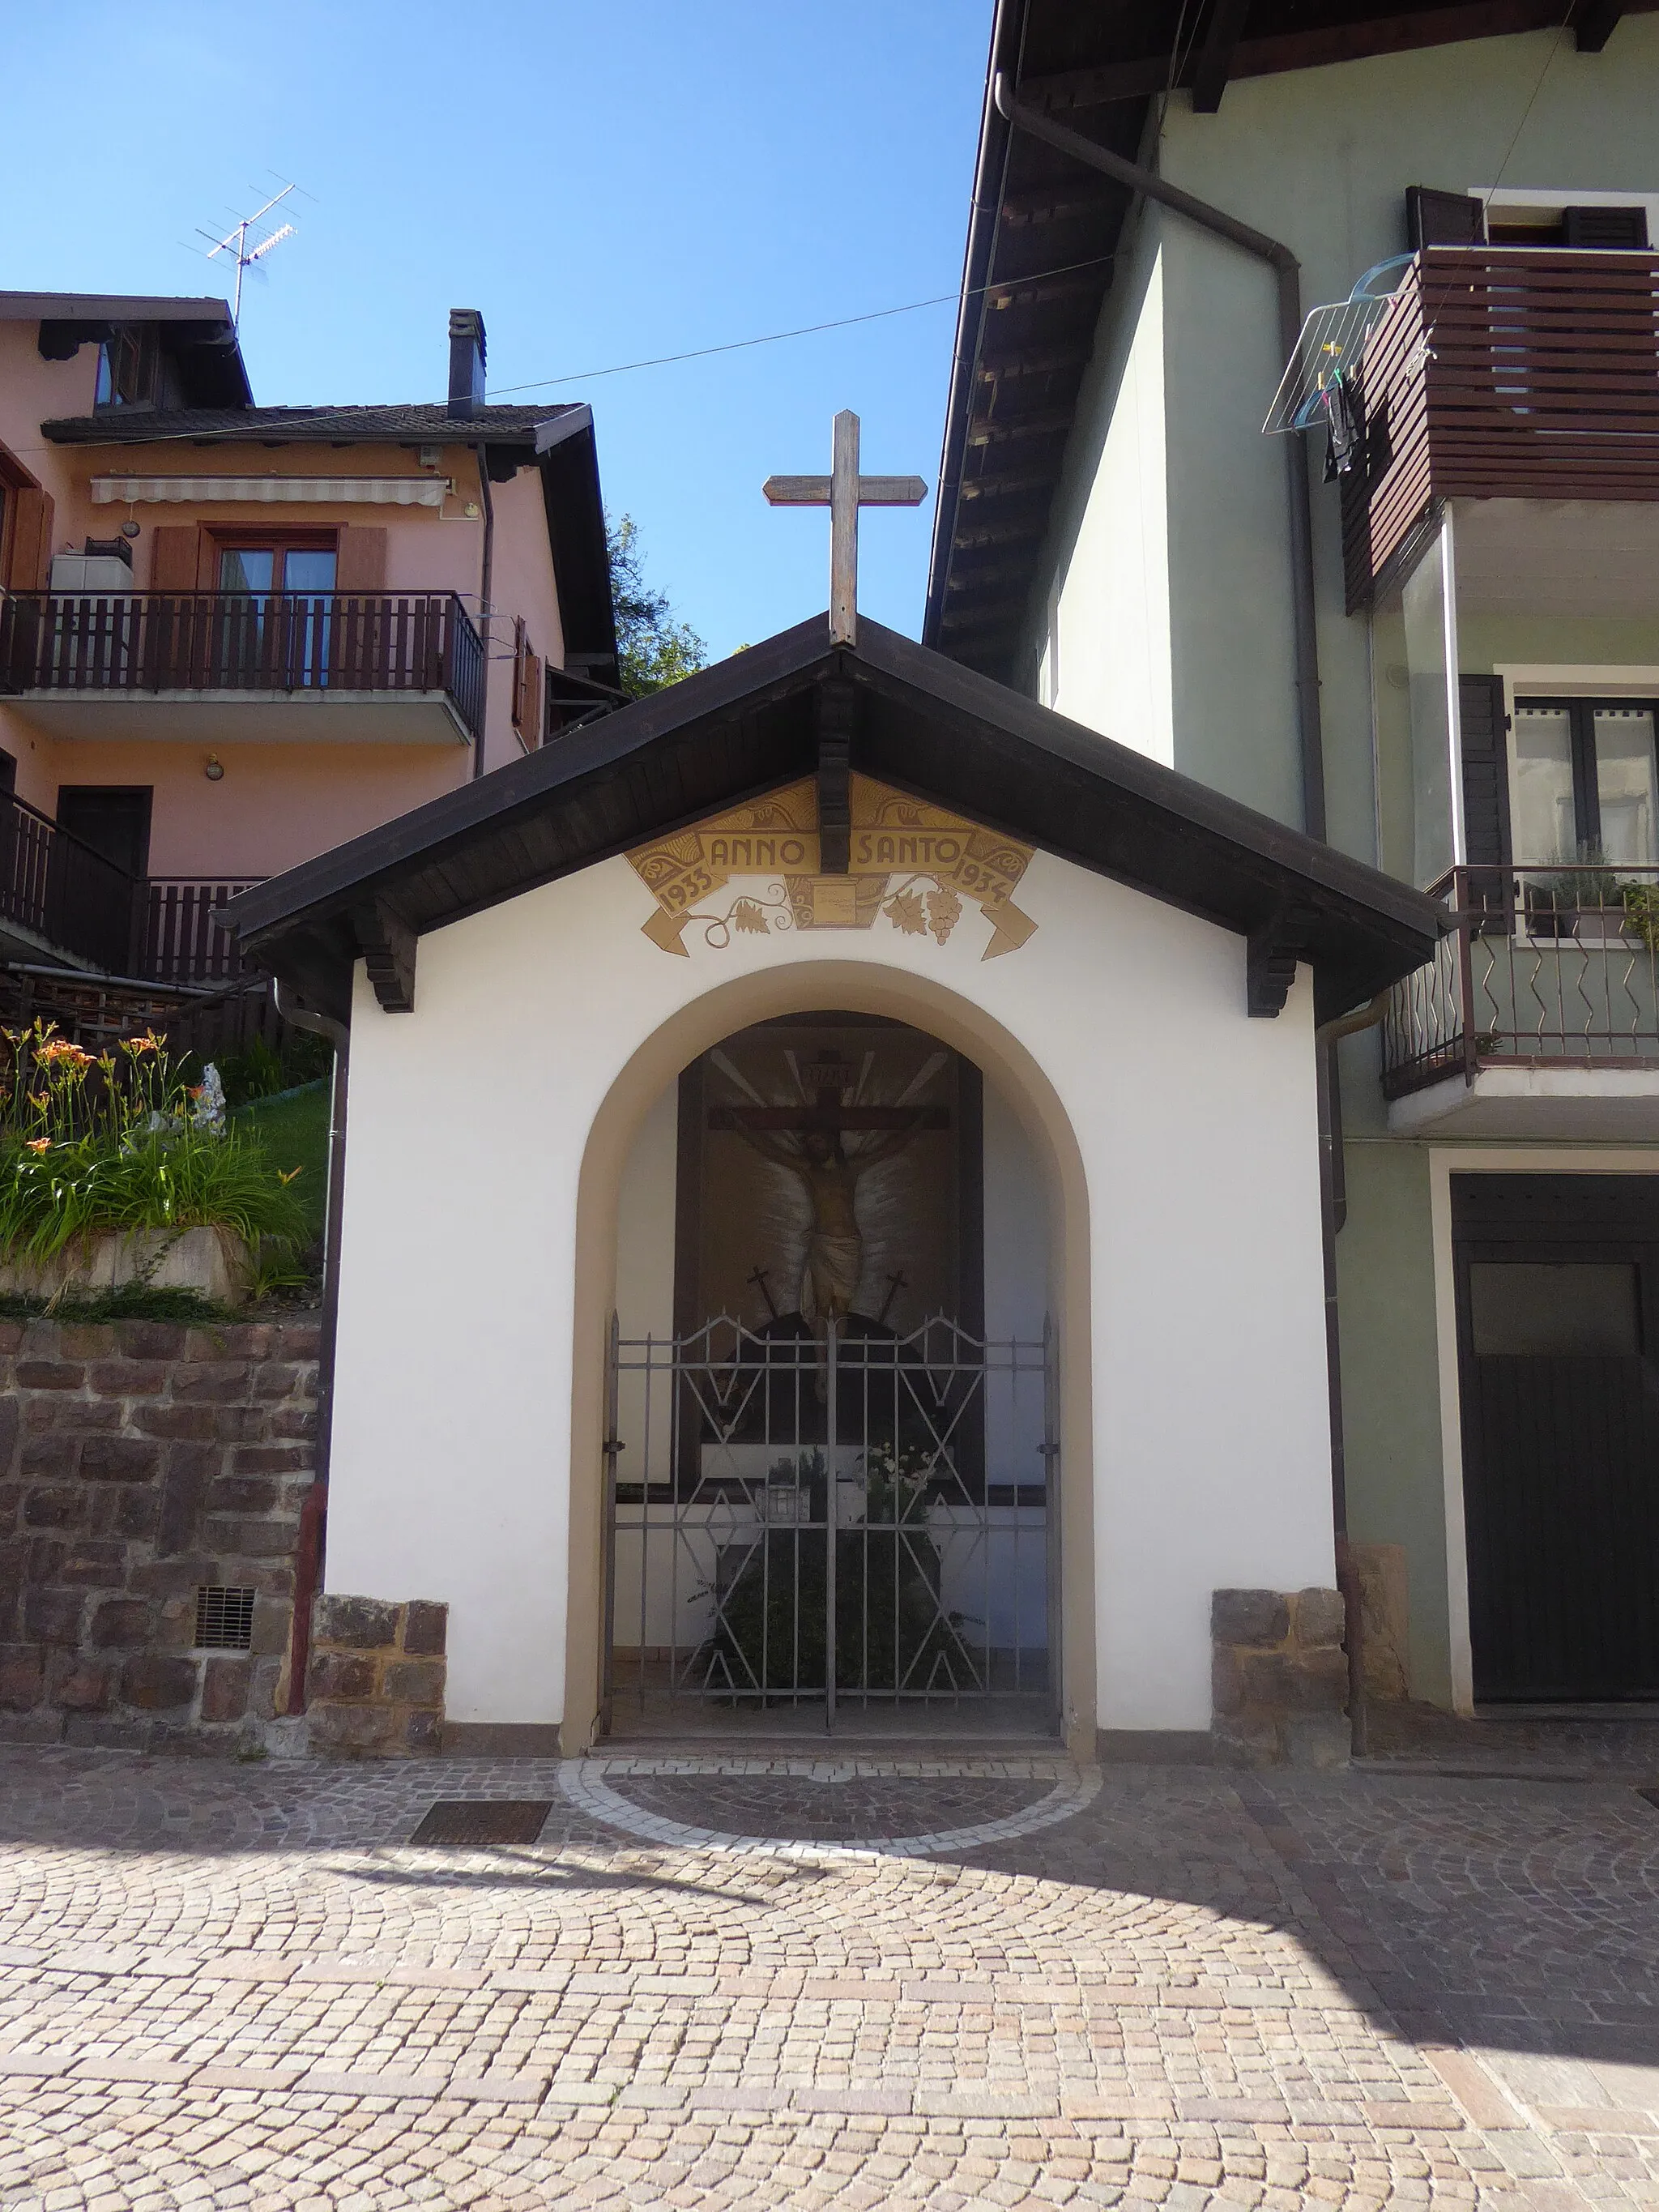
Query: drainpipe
(1334, 1212)
(313, 1513)
(1287, 272)
(485, 579)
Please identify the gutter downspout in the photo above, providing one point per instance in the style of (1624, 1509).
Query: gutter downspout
(1287, 272)
(486, 579)
(313, 1514)
(1333, 1212)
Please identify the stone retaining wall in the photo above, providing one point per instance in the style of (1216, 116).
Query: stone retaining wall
(140, 1460)
(375, 1687)
(1278, 1678)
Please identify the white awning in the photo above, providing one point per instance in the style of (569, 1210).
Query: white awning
(271, 491)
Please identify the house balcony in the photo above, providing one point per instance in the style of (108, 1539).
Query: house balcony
(1539, 1015)
(1516, 374)
(220, 667)
(63, 904)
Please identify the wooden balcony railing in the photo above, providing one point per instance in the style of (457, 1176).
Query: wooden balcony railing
(62, 891)
(1502, 372)
(161, 931)
(182, 941)
(198, 641)
(1555, 967)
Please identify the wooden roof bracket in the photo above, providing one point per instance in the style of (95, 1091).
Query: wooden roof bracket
(386, 943)
(1272, 953)
(1287, 272)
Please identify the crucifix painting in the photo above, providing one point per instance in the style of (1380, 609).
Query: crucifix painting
(829, 1171)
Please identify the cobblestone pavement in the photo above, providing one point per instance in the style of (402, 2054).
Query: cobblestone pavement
(242, 1986)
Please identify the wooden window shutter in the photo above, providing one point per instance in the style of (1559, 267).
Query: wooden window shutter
(1435, 218)
(359, 565)
(1486, 799)
(30, 561)
(1610, 228)
(530, 725)
(174, 553)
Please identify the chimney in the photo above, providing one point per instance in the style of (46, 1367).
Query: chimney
(466, 360)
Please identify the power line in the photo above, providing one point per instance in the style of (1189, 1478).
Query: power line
(243, 432)
(804, 330)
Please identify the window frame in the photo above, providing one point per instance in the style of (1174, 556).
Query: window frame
(1580, 708)
(282, 543)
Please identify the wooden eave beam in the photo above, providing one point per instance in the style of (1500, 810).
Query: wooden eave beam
(1040, 361)
(1003, 533)
(1058, 202)
(987, 578)
(1140, 77)
(1595, 23)
(1215, 56)
(982, 432)
(994, 486)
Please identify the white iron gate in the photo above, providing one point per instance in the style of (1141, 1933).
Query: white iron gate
(830, 1519)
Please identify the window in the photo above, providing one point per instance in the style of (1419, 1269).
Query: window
(1584, 782)
(259, 569)
(1555, 1310)
(1520, 217)
(126, 367)
(276, 621)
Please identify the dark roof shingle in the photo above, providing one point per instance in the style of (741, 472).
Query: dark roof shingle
(425, 423)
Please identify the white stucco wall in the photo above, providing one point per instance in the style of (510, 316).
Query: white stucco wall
(1109, 648)
(1196, 1128)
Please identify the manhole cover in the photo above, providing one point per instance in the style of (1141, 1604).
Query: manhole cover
(484, 1821)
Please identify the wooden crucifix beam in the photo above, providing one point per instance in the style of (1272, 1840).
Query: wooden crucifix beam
(796, 1120)
(844, 491)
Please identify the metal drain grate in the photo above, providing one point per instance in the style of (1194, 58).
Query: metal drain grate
(484, 1821)
(224, 1618)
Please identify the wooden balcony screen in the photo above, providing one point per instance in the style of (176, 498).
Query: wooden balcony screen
(1502, 372)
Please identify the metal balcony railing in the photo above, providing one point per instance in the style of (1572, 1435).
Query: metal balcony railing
(127, 642)
(1553, 966)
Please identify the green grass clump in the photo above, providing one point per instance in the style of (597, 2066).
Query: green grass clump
(292, 1132)
(131, 1302)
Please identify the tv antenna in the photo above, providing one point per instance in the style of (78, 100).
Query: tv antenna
(236, 242)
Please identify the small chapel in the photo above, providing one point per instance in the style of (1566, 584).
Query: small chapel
(831, 1240)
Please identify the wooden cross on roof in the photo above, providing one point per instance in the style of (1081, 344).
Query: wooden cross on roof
(844, 491)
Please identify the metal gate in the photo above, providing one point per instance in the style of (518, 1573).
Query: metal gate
(820, 1521)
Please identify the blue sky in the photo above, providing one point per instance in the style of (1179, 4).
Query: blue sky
(604, 183)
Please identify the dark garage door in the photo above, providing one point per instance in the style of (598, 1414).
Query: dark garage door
(1558, 1319)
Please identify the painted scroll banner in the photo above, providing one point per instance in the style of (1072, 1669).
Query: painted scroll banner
(910, 863)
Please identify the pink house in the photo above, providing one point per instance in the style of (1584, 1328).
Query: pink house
(232, 636)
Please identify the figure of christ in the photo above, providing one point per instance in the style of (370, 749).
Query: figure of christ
(834, 1242)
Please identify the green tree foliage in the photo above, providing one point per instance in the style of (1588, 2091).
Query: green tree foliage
(652, 649)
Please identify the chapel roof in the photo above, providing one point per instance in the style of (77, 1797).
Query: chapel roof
(921, 724)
